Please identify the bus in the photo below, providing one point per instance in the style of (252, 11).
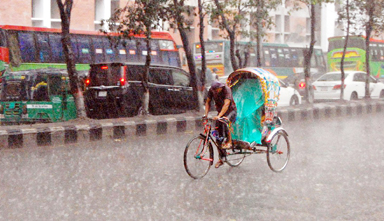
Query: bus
(279, 59)
(355, 54)
(26, 48)
(38, 95)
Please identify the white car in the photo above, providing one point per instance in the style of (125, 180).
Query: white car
(288, 95)
(327, 87)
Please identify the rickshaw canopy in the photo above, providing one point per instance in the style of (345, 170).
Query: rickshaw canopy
(256, 93)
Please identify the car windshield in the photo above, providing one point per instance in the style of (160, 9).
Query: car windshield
(331, 77)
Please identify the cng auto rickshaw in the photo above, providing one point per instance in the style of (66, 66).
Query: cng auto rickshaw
(32, 96)
(257, 128)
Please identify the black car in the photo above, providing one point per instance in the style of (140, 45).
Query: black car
(116, 90)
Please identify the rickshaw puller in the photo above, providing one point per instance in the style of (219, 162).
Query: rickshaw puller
(226, 107)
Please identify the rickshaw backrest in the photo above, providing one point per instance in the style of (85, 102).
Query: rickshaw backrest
(269, 84)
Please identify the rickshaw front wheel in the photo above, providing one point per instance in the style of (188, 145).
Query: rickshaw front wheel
(278, 152)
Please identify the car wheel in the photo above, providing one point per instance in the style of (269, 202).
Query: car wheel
(354, 96)
(294, 101)
(381, 94)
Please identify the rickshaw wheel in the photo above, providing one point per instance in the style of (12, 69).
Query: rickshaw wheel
(278, 152)
(233, 158)
(198, 157)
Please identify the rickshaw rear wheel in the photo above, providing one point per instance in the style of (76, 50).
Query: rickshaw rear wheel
(198, 157)
(278, 152)
(234, 158)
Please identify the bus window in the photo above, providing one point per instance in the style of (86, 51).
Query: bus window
(381, 52)
(43, 47)
(267, 58)
(2, 38)
(294, 58)
(57, 48)
(155, 52)
(131, 47)
(142, 49)
(27, 47)
(75, 48)
(121, 51)
(109, 51)
(274, 58)
(287, 58)
(374, 52)
(280, 58)
(98, 49)
(84, 47)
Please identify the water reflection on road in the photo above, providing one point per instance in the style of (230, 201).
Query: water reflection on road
(335, 172)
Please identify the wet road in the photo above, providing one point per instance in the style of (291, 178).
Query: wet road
(335, 173)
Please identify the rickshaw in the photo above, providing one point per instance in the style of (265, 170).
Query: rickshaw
(257, 129)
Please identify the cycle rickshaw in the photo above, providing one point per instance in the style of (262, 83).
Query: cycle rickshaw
(257, 129)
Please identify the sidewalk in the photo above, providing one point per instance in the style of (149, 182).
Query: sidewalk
(85, 130)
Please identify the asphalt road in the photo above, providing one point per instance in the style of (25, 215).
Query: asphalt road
(335, 173)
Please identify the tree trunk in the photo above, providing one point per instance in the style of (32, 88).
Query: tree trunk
(368, 30)
(191, 62)
(202, 44)
(231, 34)
(308, 56)
(344, 51)
(144, 77)
(258, 34)
(65, 14)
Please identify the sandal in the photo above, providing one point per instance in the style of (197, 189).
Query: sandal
(219, 164)
(226, 145)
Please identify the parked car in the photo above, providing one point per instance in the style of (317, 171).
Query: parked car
(115, 90)
(288, 95)
(299, 84)
(327, 87)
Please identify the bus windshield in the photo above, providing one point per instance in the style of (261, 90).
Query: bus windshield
(352, 43)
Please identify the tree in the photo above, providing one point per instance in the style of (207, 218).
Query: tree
(176, 16)
(261, 21)
(311, 5)
(230, 15)
(140, 18)
(347, 17)
(202, 15)
(65, 14)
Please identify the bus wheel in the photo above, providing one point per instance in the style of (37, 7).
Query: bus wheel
(353, 96)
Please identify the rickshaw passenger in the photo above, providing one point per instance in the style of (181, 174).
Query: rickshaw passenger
(226, 107)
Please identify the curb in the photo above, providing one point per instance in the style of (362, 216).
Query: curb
(61, 135)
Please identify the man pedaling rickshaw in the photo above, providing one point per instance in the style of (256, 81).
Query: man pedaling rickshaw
(226, 107)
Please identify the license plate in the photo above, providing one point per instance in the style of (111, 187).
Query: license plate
(102, 93)
(324, 89)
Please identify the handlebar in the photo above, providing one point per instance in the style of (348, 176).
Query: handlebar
(221, 119)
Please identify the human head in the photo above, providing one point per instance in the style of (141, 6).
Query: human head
(214, 70)
(217, 85)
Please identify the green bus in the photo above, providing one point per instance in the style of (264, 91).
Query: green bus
(355, 54)
(39, 95)
(280, 59)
